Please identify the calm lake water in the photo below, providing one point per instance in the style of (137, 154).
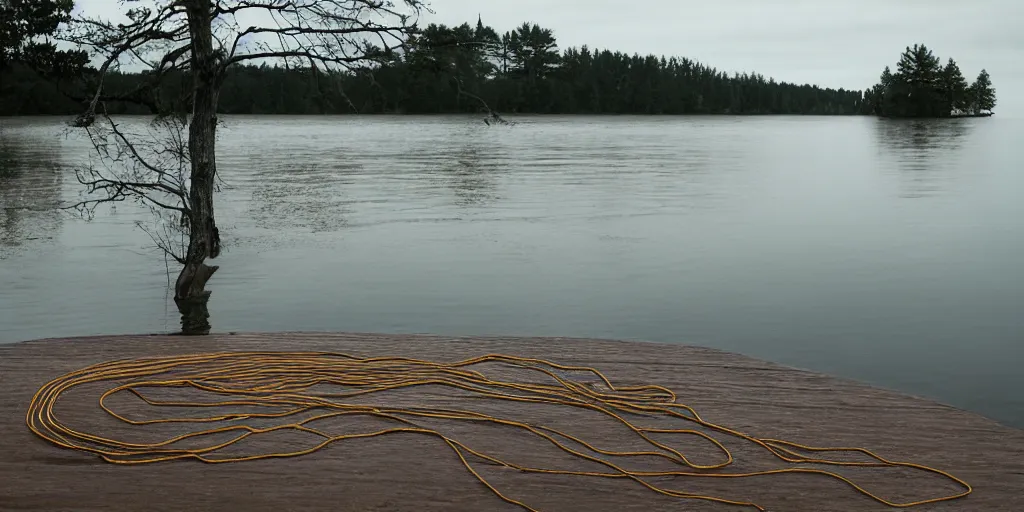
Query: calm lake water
(889, 252)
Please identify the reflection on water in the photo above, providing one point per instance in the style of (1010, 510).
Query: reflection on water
(30, 190)
(292, 195)
(926, 151)
(786, 238)
(470, 179)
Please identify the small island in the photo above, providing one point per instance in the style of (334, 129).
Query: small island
(922, 87)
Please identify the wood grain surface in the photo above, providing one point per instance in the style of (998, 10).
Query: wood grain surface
(410, 472)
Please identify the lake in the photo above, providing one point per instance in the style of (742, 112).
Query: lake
(890, 252)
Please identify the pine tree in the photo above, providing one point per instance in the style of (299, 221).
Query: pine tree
(954, 87)
(886, 79)
(919, 69)
(982, 94)
(490, 45)
(534, 50)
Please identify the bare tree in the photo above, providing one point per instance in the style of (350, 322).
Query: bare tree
(149, 165)
(175, 172)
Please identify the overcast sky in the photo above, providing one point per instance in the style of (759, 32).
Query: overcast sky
(832, 43)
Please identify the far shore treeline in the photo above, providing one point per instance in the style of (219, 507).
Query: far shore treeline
(471, 69)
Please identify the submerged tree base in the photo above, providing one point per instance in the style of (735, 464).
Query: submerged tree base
(195, 314)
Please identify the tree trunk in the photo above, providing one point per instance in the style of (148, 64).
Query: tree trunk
(190, 293)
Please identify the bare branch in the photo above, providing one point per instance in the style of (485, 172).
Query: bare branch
(492, 116)
(148, 168)
(174, 174)
(326, 31)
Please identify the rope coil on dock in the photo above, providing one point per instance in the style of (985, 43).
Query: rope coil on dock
(287, 385)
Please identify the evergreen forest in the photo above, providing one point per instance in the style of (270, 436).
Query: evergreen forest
(471, 68)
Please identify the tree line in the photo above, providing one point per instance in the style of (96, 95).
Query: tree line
(454, 69)
(922, 87)
(466, 69)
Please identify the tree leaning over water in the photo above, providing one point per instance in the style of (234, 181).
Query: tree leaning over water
(188, 47)
(922, 87)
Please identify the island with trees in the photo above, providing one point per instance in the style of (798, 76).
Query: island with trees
(923, 87)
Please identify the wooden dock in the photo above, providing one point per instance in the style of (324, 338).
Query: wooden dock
(397, 473)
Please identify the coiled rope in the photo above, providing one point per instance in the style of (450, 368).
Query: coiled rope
(282, 384)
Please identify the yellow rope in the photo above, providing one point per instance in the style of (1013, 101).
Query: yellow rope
(280, 383)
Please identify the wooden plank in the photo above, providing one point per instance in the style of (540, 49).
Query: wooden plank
(418, 473)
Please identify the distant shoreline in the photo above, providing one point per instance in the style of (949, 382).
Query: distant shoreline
(957, 116)
(526, 114)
